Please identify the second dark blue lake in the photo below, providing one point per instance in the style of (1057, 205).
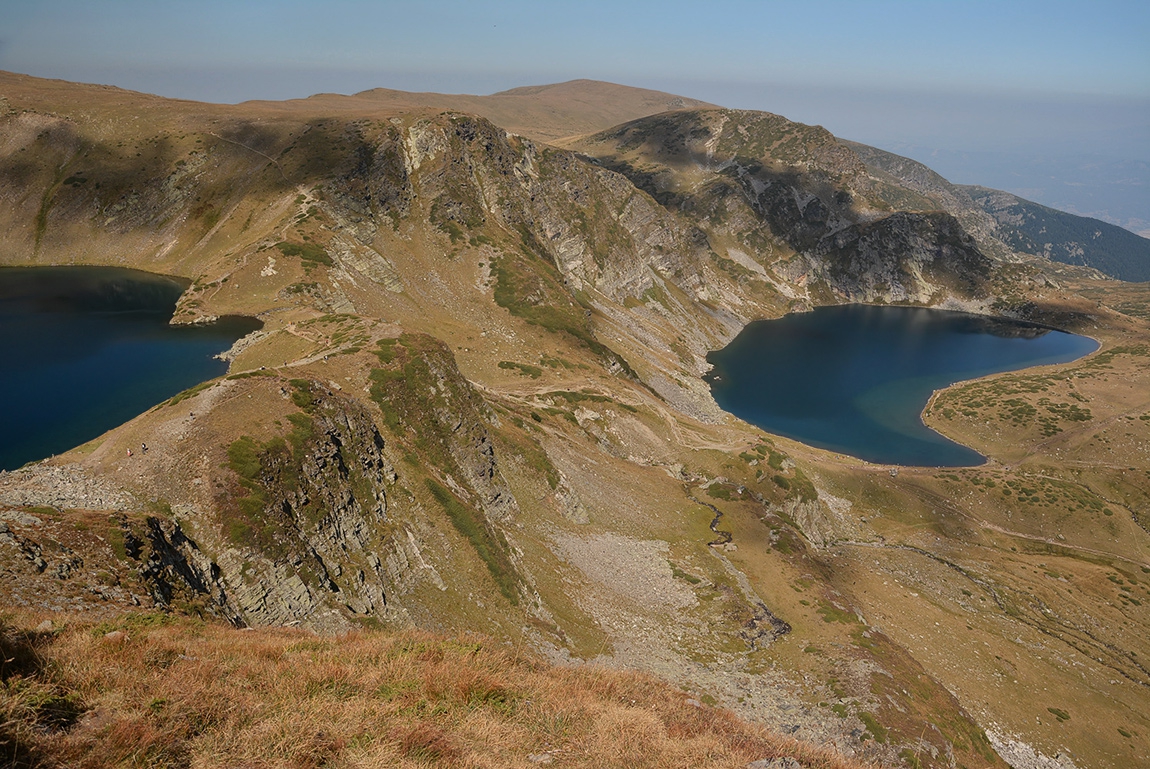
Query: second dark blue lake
(856, 378)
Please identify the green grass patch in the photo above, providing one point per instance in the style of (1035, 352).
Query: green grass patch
(308, 253)
(191, 391)
(877, 730)
(253, 373)
(386, 351)
(304, 287)
(524, 369)
(803, 487)
(302, 394)
(244, 458)
(680, 574)
(834, 614)
(303, 429)
(488, 543)
(719, 491)
(910, 758)
(114, 536)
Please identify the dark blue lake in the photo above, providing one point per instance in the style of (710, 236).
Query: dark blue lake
(856, 378)
(84, 349)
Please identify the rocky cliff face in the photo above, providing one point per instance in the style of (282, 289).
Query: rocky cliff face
(902, 256)
(307, 520)
(422, 394)
(816, 220)
(308, 514)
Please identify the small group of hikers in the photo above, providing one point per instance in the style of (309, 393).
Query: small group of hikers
(143, 449)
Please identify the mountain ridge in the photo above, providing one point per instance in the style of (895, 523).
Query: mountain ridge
(546, 113)
(1005, 222)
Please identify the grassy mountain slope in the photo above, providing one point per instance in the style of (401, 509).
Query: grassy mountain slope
(155, 690)
(475, 405)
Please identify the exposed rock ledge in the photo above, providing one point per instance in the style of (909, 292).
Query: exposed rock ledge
(62, 486)
(1021, 756)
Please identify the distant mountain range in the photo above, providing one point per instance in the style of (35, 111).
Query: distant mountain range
(1043, 231)
(1113, 190)
(1022, 225)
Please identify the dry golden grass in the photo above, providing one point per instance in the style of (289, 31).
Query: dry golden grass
(156, 690)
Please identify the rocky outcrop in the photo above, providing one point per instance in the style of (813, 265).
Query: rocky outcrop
(176, 571)
(420, 390)
(898, 175)
(1020, 755)
(61, 486)
(906, 257)
(809, 217)
(306, 521)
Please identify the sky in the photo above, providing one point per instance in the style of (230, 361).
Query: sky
(963, 85)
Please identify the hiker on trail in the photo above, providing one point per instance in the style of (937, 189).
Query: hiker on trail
(144, 447)
(129, 452)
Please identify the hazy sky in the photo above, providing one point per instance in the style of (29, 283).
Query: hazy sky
(1008, 76)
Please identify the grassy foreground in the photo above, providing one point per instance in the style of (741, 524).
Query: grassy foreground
(158, 690)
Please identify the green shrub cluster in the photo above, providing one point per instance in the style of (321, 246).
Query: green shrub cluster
(523, 368)
(309, 253)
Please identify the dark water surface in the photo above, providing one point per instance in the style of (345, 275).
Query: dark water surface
(83, 349)
(855, 378)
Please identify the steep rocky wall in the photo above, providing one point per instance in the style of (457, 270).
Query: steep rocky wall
(305, 520)
(802, 207)
(921, 258)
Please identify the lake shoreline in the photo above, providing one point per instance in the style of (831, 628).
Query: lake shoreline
(877, 425)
